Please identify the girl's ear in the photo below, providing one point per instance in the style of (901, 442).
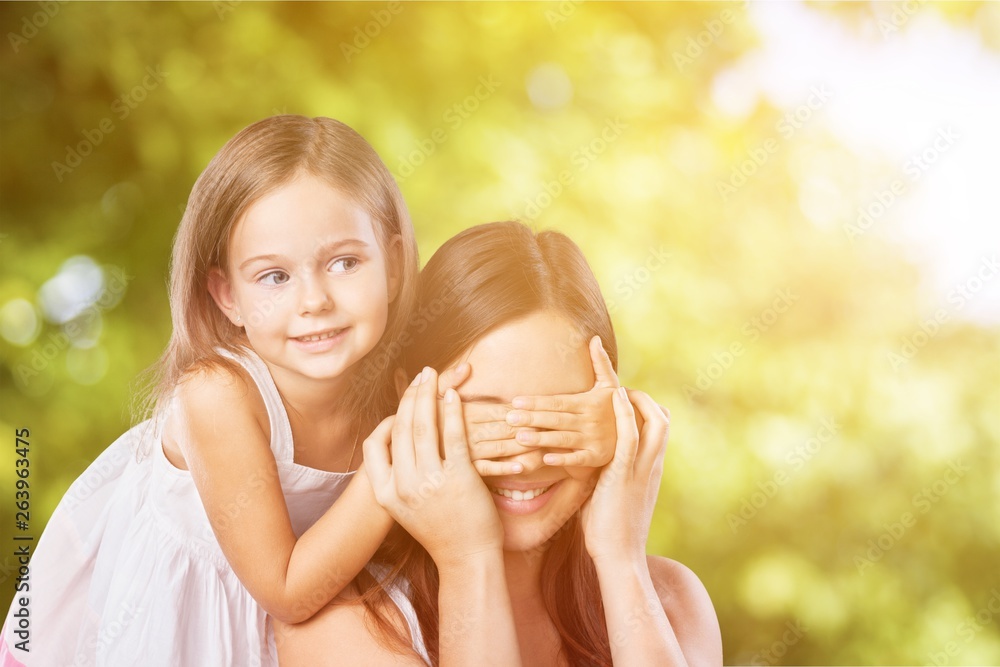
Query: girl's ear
(401, 381)
(394, 266)
(222, 294)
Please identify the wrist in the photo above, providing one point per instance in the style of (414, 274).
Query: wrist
(470, 563)
(379, 513)
(619, 563)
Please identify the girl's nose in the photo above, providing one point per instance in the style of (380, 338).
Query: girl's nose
(316, 297)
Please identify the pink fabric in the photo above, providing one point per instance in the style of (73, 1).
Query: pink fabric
(6, 658)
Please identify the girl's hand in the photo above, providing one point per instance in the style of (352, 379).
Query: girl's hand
(583, 423)
(420, 489)
(492, 444)
(489, 435)
(617, 516)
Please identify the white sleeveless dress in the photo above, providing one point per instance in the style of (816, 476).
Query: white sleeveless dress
(128, 570)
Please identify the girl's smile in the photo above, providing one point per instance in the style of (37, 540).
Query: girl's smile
(308, 281)
(321, 341)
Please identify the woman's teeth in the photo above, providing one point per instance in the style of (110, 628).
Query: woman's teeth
(522, 495)
(329, 334)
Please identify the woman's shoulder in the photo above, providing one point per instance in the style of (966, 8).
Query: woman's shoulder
(671, 577)
(689, 607)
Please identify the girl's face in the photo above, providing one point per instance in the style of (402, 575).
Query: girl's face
(542, 353)
(307, 280)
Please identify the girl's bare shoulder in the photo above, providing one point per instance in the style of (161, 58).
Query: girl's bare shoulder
(211, 399)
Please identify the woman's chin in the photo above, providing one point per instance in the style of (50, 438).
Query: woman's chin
(524, 542)
(532, 533)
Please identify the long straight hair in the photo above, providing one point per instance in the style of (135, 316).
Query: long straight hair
(258, 160)
(482, 278)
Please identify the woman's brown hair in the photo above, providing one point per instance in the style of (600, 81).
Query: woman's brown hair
(259, 159)
(482, 278)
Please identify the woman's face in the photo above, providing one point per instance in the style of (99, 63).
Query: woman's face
(543, 353)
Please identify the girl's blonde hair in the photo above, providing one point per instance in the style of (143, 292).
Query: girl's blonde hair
(258, 160)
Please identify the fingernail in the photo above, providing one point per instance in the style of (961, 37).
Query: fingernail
(517, 467)
(524, 436)
(513, 418)
(416, 379)
(623, 394)
(462, 367)
(550, 459)
(519, 402)
(449, 395)
(425, 374)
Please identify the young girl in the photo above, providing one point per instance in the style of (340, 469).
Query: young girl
(291, 279)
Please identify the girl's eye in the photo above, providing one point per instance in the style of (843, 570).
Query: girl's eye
(273, 278)
(346, 264)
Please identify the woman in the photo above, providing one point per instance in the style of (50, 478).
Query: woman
(545, 567)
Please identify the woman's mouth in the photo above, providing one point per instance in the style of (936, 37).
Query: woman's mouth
(522, 495)
(524, 500)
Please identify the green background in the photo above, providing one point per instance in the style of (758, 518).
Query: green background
(777, 515)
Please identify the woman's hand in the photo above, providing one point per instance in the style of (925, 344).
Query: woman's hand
(442, 502)
(490, 437)
(617, 516)
(420, 489)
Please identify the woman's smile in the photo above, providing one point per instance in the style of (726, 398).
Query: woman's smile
(525, 497)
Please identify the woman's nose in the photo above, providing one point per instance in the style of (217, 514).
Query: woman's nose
(531, 461)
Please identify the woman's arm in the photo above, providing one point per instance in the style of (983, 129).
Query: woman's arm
(476, 620)
(229, 456)
(446, 507)
(662, 620)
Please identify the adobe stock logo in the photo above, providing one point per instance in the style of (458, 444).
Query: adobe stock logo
(752, 329)
(121, 107)
(562, 13)
(914, 168)
(366, 34)
(960, 295)
(455, 116)
(702, 41)
(790, 124)
(968, 628)
(795, 460)
(923, 502)
(581, 159)
(31, 26)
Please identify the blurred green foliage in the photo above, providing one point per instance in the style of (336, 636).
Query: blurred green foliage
(798, 447)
